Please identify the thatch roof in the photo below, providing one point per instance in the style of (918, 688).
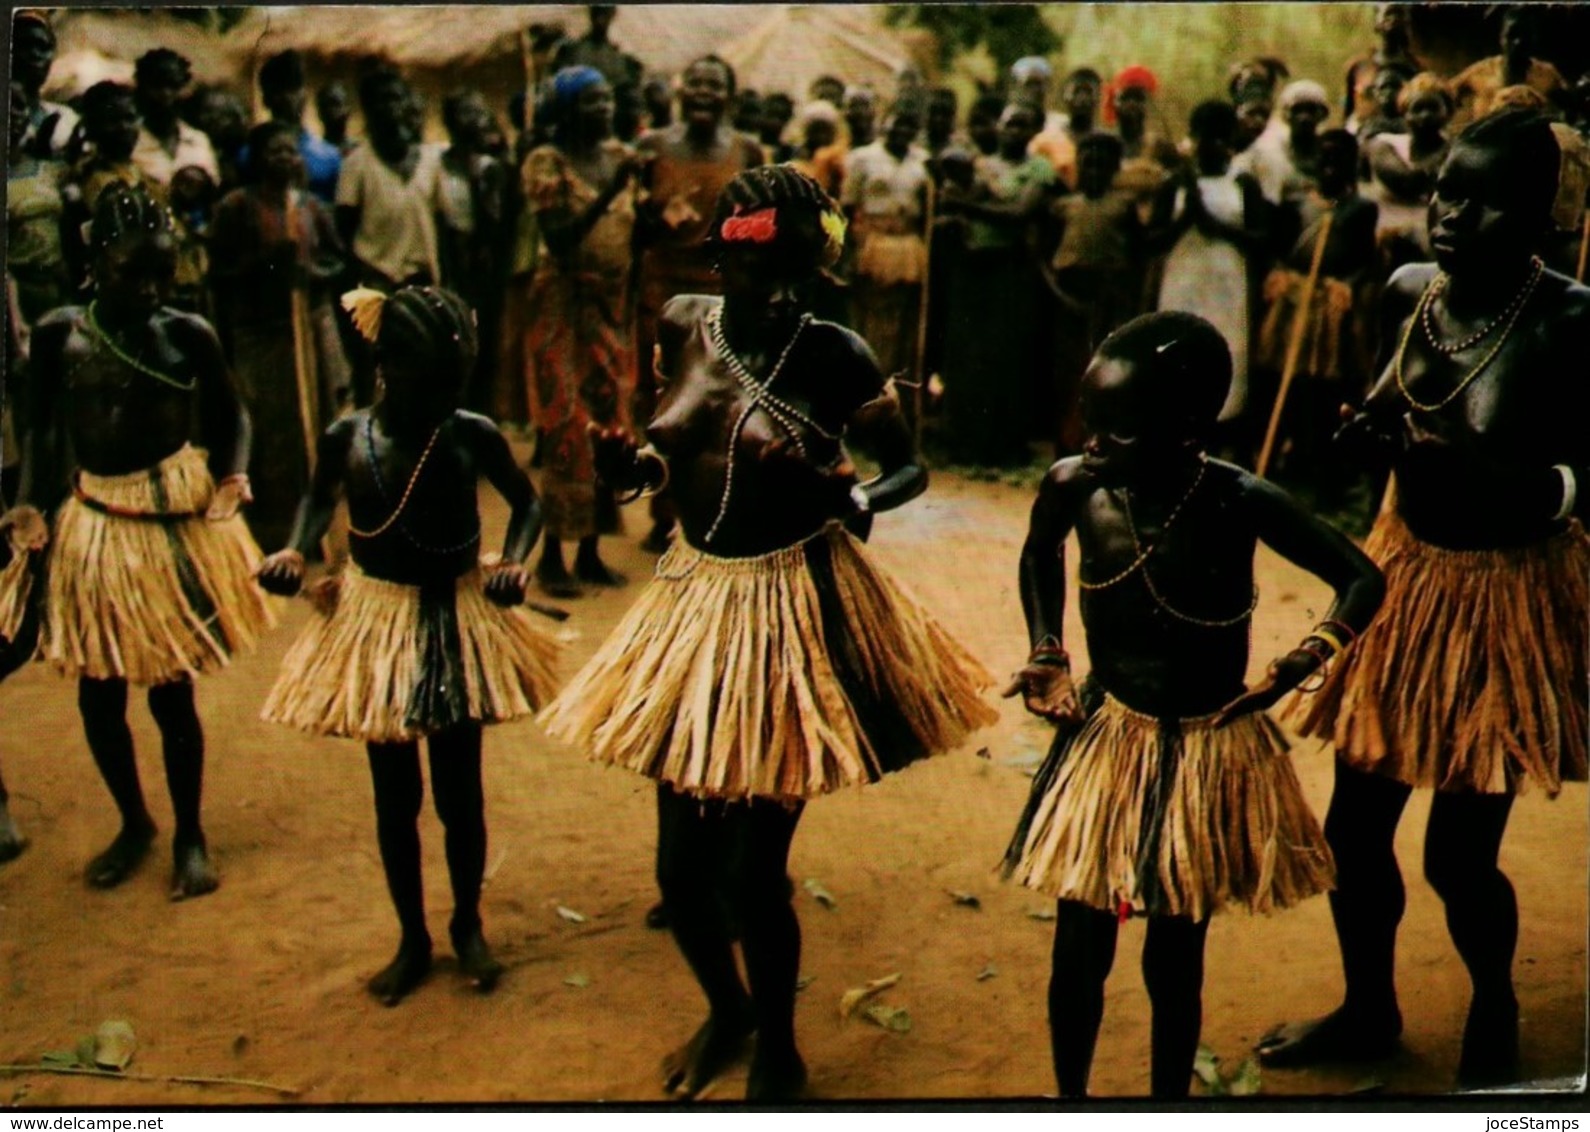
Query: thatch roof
(790, 45)
(664, 36)
(99, 43)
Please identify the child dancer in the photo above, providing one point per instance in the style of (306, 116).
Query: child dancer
(1168, 792)
(420, 641)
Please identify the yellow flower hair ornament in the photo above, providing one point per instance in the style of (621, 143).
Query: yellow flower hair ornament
(364, 305)
(834, 227)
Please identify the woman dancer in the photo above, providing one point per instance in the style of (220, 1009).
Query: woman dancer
(1472, 682)
(770, 661)
(417, 642)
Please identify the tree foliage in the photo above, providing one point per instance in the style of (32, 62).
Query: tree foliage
(1006, 31)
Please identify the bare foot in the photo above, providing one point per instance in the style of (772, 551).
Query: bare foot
(717, 1045)
(776, 1077)
(477, 962)
(556, 581)
(192, 874)
(1339, 1036)
(598, 573)
(11, 840)
(406, 971)
(1490, 1044)
(122, 858)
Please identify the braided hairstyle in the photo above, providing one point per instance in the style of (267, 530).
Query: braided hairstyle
(810, 226)
(430, 329)
(1184, 364)
(123, 211)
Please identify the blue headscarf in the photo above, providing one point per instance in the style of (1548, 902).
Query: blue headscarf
(569, 82)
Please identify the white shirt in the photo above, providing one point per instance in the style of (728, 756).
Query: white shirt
(397, 223)
(193, 148)
(877, 183)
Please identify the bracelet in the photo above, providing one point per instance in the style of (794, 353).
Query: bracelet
(858, 496)
(1321, 633)
(1331, 622)
(235, 477)
(1049, 651)
(1570, 492)
(650, 453)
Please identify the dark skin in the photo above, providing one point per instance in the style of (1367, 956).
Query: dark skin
(1211, 158)
(159, 94)
(940, 122)
(590, 124)
(1253, 115)
(861, 115)
(1131, 119)
(1081, 98)
(1426, 119)
(363, 458)
(89, 407)
(1473, 474)
(1137, 467)
(334, 109)
(389, 119)
(780, 496)
(1017, 128)
(1350, 249)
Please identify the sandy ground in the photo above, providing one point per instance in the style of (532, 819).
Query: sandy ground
(263, 980)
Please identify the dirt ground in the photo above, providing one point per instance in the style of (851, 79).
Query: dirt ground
(264, 979)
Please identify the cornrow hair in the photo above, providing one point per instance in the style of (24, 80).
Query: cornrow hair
(790, 192)
(123, 210)
(430, 327)
(151, 61)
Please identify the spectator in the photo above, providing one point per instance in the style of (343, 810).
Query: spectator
(282, 88)
(472, 236)
(35, 208)
(165, 142)
(334, 108)
(50, 125)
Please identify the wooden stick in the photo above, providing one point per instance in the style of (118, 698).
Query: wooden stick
(305, 370)
(1294, 347)
(917, 398)
(1584, 247)
(181, 1079)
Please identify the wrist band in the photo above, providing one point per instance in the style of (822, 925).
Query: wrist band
(1570, 491)
(1331, 622)
(650, 453)
(858, 496)
(1321, 633)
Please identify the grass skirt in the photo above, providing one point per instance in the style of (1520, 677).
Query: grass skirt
(152, 599)
(1175, 818)
(1473, 677)
(786, 675)
(16, 586)
(393, 663)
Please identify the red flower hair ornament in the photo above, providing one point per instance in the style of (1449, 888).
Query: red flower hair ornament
(758, 227)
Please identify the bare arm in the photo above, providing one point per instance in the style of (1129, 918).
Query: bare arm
(1044, 682)
(283, 572)
(224, 425)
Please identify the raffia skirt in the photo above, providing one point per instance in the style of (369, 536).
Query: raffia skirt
(1170, 817)
(16, 588)
(141, 586)
(1475, 675)
(392, 663)
(786, 676)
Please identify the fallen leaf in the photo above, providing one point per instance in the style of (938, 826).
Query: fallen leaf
(988, 972)
(1206, 1066)
(984, 753)
(114, 1044)
(804, 981)
(577, 981)
(1040, 913)
(820, 894)
(892, 1018)
(855, 996)
(965, 899)
(1246, 1081)
(239, 1044)
(570, 915)
(65, 1058)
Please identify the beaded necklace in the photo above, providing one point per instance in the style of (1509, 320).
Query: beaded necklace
(784, 414)
(414, 478)
(148, 371)
(1142, 553)
(1421, 317)
(1438, 287)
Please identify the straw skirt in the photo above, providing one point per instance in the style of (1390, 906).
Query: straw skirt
(16, 587)
(141, 586)
(1170, 817)
(787, 675)
(1475, 675)
(393, 663)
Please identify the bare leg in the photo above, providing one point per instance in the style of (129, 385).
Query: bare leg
(589, 567)
(11, 840)
(690, 846)
(552, 574)
(461, 804)
(1460, 855)
(103, 705)
(1084, 952)
(1366, 907)
(771, 943)
(399, 792)
(1173, 971)
(182, 742)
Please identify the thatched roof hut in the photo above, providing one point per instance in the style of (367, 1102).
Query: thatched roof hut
(790, 45)
(103, 43)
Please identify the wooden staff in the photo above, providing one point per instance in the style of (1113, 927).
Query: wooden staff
(1294, 347)
(1584, 246)
(306, 370)
(917, 398)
